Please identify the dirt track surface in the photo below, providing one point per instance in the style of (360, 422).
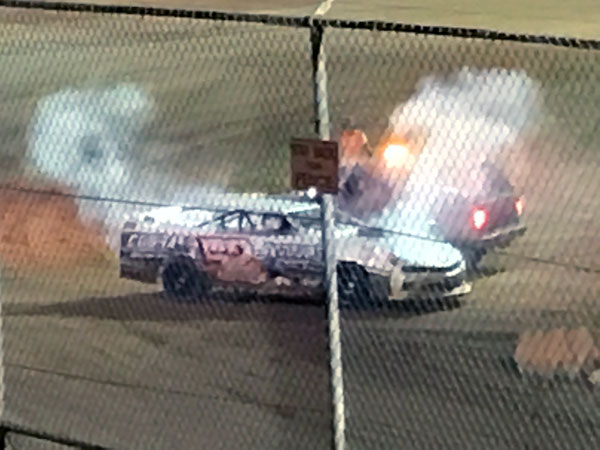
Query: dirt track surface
(255, 376)
(111, 361)
(40, 231)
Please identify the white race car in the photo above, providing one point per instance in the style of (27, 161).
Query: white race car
(271, 244)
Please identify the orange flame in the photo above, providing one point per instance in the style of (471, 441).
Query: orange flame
(396, 155)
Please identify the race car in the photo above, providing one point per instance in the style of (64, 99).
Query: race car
(488, 219)
(273, 245)
(472, 220)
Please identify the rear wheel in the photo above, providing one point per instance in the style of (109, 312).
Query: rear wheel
(183, 280)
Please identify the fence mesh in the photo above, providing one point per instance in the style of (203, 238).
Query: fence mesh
(148, 111)
(497, 122)
(465, 224)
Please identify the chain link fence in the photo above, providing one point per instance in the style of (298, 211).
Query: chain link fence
(464, 231)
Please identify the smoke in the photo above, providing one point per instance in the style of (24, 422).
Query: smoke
(467, 118)
(89, 141)
(83, 138)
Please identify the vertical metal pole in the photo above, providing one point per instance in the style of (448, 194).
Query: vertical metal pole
(2, 377)
(329, 251)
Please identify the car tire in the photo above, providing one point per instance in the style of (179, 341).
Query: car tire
(355, 290)
(182, 280)
(473, 258)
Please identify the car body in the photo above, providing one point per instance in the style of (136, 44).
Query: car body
(475, 217)
(273, 245)
(489, 218)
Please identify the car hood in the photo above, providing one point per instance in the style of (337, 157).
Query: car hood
(412, 236)
(389, 250)
(419, 252)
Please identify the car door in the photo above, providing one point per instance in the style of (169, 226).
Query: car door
(223, 241)
(285, 248)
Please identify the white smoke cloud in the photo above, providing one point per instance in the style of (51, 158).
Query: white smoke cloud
(468, 118)
(85, 140)
(83, 137)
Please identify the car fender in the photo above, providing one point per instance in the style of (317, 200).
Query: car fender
(363, 251)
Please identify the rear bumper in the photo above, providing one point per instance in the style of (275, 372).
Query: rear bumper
(499, 238)
(143, 270)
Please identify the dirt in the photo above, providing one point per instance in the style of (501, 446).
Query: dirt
(568, 350)
(41, 231)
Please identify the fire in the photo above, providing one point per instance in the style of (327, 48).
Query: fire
(396, 155)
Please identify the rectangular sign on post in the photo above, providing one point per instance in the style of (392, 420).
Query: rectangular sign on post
(315, 165)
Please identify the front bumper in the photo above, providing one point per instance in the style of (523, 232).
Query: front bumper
(432, 285)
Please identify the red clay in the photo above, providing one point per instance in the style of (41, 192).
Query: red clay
(40, 231)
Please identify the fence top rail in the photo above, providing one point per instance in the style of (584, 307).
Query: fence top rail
(308, 21)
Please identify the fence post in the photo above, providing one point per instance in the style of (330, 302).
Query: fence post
(329, 251)
(2, 374)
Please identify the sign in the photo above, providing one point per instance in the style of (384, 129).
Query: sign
(315, 165)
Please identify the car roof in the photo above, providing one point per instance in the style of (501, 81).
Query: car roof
(215, 206)
(396, 217)
(256, 203)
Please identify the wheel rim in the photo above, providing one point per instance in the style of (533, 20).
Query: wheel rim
(181, 282)
(353, 287)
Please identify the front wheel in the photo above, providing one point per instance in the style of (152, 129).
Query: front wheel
(473, 258)
(355, 289)
(183, 280)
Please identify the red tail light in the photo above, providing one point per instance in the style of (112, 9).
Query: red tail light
(479, 218)
(519, 206)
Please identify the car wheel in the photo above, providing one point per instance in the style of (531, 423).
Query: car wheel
(354, 286)
(473, 258)
(183, 280)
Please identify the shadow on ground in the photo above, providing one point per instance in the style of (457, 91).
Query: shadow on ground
(153, 307)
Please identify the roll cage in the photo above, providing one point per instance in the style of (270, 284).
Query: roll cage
(244, 221)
